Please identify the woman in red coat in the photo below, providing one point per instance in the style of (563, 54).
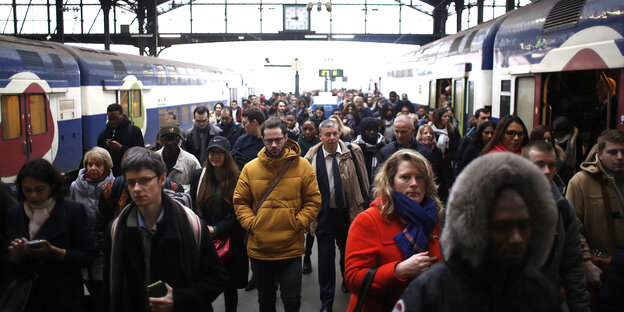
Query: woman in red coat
(398, 234)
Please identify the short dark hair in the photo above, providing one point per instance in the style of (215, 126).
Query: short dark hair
(254, 114)
(540, 146)
(290, 113)
(481, 111)
(172, 114)
(227, 109)
(200, 110)
(336, 109)
(114, 108)
(44, 171)
(273, 123)
(138, 158)
(610, 135)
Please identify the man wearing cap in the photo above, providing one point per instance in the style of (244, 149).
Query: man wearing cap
(404, 102)
(197, 138)
(180, 163)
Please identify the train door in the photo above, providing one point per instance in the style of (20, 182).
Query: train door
(459, 103)
(132, 103)
(27, 129)
(524, 99)
(579, 98)
(443, 93)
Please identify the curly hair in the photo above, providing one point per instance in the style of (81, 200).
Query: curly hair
(384, 179)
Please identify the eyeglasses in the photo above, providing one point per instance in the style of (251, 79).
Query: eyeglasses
(271, 141)
(512, 133)
(142, 181)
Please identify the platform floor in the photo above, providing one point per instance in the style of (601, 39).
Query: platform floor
(310, 301)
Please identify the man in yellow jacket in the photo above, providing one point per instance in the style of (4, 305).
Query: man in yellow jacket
(276, 229)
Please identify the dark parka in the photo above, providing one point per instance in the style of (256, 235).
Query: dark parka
(128, 135)
(192, 143)
(462, 282)
(58, 286)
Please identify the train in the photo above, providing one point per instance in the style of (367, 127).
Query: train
(54, 98)
(540, 61)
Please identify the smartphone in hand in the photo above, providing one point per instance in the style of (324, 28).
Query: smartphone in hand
(37, 243)
(157, 290)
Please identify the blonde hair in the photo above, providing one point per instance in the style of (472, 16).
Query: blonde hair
(420, 134)
(344, 130)
(98, 154)
(384, 180)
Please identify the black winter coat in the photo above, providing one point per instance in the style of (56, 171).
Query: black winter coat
(128, 135)
(455, 285)
(58, 286)
(237, 267)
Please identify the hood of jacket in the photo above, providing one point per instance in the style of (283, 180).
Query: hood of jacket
(593, 166)
(291, 149)
(466, 230)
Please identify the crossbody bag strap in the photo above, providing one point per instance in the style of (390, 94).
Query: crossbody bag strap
(608, 217)
(274, 183)
(366, 283)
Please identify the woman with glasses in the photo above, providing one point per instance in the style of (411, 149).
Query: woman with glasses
(510, 136)
(479, 138)
(50, 239)
(212, 189)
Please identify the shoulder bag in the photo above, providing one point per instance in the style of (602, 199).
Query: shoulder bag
(368, 280)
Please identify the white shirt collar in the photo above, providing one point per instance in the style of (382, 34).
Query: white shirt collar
(338, 151)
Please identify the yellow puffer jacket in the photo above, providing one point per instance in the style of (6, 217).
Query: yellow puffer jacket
(276, 229)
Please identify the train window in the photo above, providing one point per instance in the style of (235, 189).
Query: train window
(173, 75)
(183, 75)
(162, 74)
(524, 102)
(185, 114)
(123, 101)
(119, 67)
(505, 85)
(505, 105)
(161, 115)
(38, 114)
(148, 71)
(136, 104)
(11, 117)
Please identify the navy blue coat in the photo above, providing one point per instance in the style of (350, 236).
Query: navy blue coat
(59, 284)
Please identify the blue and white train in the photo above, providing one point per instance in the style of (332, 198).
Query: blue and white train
(540, 61)
(54, 98)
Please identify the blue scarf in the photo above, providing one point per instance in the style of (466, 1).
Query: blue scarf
(420, 218)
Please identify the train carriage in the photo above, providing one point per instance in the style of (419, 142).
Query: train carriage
(54, 98)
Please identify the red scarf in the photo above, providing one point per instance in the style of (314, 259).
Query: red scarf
(98, 180)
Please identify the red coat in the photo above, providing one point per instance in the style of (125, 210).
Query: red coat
(371, 244)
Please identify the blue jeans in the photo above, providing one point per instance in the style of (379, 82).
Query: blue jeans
(285, 272)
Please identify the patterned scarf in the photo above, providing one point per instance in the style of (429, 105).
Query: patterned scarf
(38, 215)
(420, 218)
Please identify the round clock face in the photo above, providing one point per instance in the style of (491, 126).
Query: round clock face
(296, 18)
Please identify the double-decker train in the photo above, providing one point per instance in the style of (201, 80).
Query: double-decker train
(54, 98)
(540, 62)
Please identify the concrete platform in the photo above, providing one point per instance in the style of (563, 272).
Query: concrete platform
(310, 299)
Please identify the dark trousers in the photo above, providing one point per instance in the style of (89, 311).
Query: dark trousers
(309, 242)
(335, 232)
(285, 272)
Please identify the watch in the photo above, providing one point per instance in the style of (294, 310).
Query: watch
(296, 18)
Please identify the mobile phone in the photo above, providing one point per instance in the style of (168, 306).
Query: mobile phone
(157, 290)
(108, 140)
(37, 243)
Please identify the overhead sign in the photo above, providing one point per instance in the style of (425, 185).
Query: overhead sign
(330, 72)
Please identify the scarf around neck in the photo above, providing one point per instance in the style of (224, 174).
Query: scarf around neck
(430, 145)
(420, 218)
(443, 138)
(98, 180)
(38, 215)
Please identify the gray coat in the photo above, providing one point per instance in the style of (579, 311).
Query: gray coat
(87, 193)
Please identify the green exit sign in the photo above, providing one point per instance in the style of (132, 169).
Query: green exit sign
(330, 72)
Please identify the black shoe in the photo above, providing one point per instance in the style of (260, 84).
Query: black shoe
(326, 309)
(251, 285)
(344, 287)
(307, 266)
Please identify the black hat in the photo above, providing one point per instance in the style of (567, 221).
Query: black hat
(220, 143)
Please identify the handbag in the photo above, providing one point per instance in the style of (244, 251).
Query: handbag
(15, 296)
(223, 247)
(368, 280)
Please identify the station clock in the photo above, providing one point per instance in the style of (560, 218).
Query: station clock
(296, 18)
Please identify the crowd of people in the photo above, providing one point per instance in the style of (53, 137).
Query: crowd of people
(423, 218)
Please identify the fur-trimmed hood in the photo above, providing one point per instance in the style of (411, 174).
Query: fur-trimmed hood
(466, 231)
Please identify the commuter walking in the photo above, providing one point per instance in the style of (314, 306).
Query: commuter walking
(118, 136)
(343, 183)
(197, 138)
(275, 215)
